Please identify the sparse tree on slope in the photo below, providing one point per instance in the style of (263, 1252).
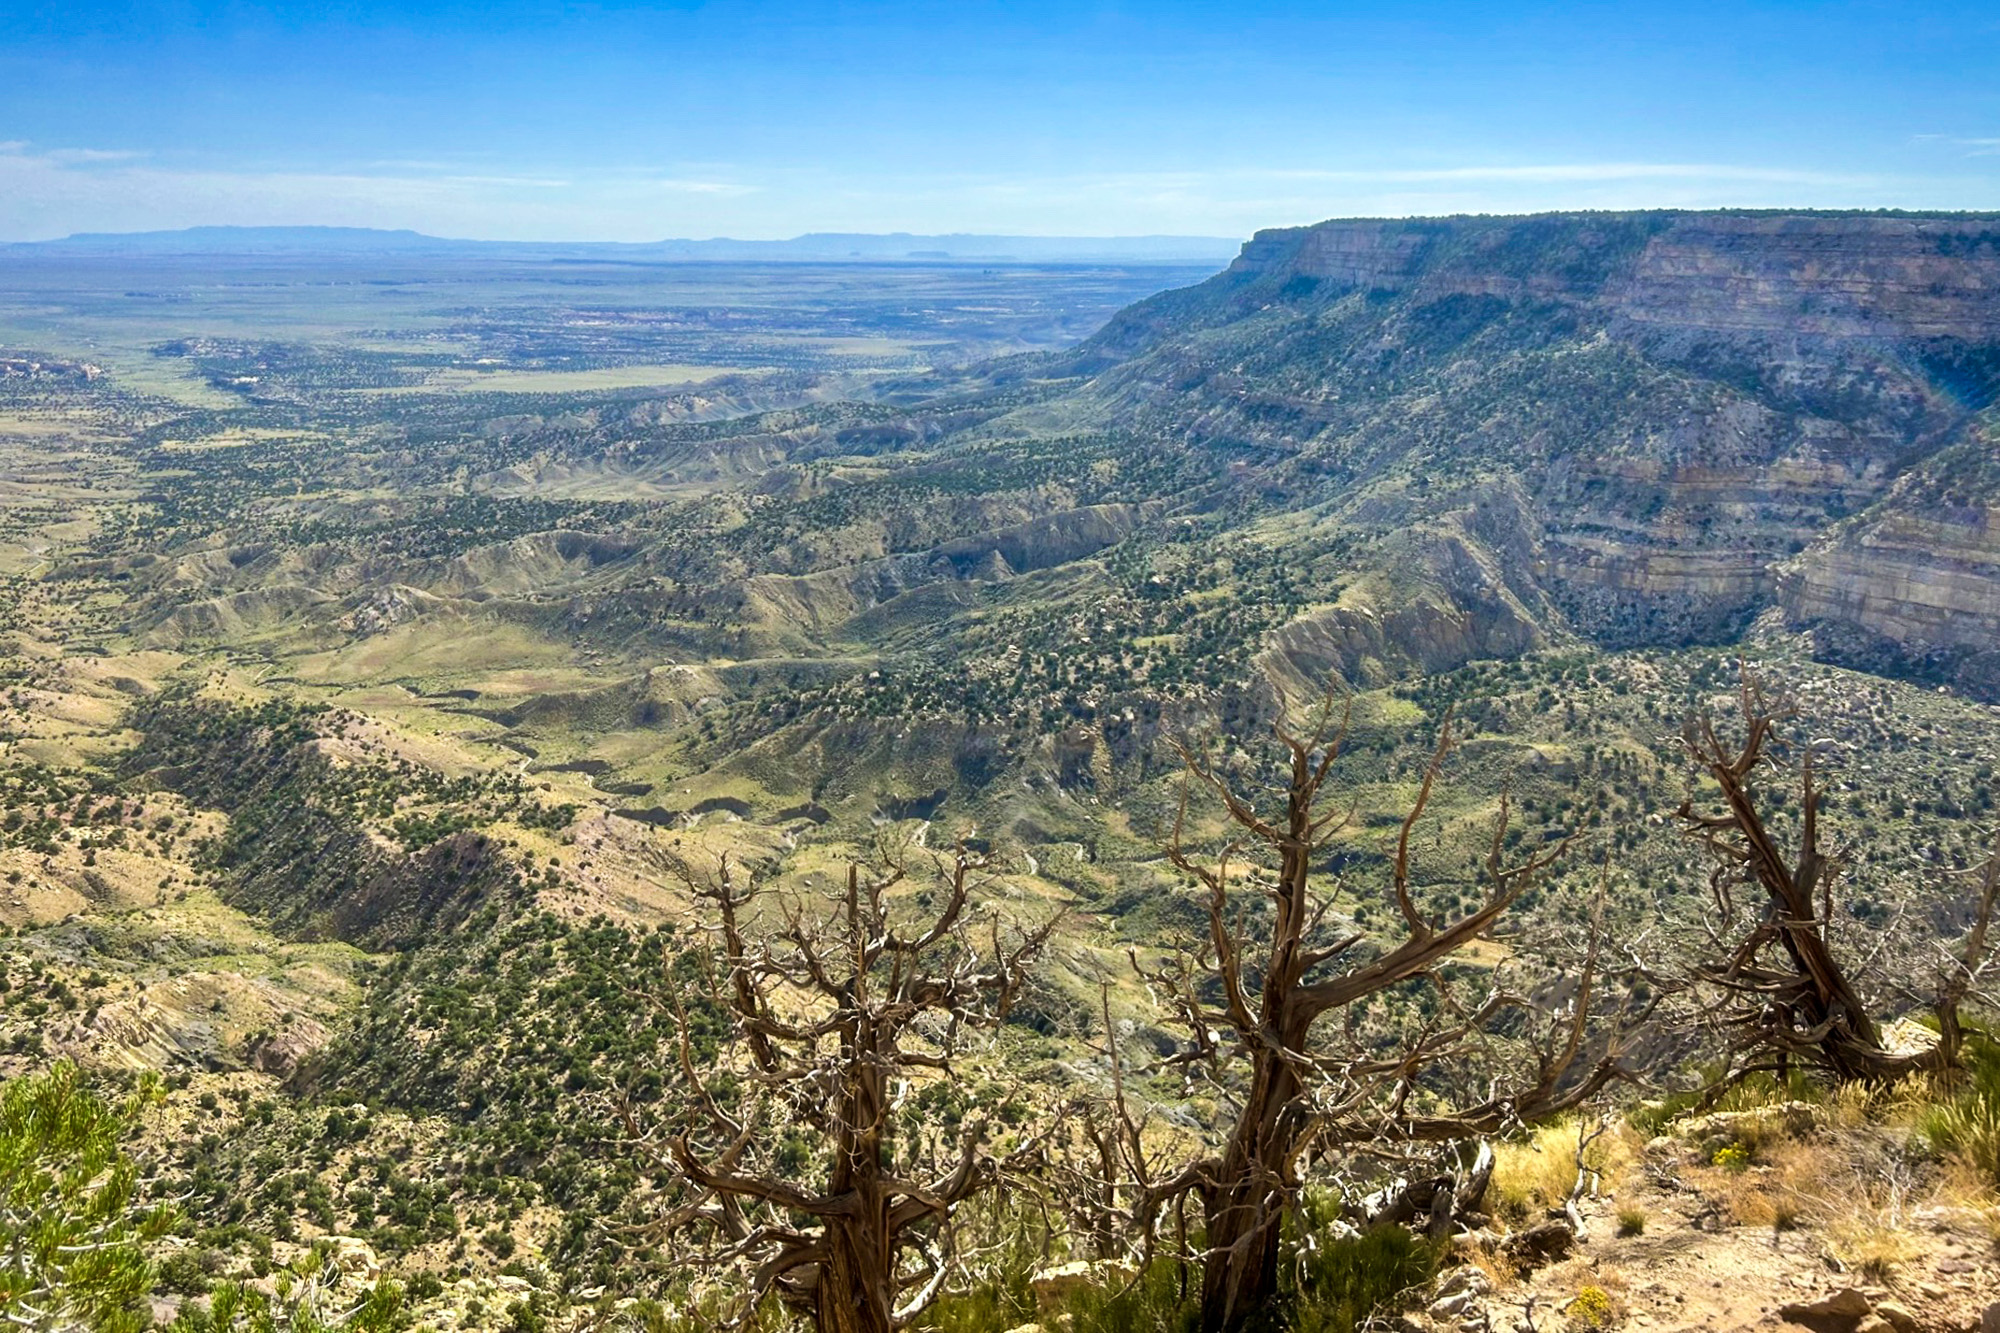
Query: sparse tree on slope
(311, 1295)
(1256, 999)
(73, 1232)
(838, 1012)
(1788, 999)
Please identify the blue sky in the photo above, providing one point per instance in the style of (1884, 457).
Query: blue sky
(753, 119)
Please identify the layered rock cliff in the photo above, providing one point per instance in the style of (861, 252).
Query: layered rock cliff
(1702, 411)
(1914, 581)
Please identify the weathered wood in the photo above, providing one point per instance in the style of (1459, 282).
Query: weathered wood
(1274, 989)
(868, 1007)
(1786, 996)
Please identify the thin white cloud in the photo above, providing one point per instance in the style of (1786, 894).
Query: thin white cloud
(409, 164)
(523, 182)
(52, 193)
(728, 188)
(88, 155)
(1563, 172)
(1974, 147)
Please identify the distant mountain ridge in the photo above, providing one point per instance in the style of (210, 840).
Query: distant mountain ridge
(813, 246)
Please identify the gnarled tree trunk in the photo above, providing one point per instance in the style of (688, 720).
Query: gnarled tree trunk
(1784, 991)
(829, 1012)
(1293, 1096)
(1244, 1214)
(852, 1293)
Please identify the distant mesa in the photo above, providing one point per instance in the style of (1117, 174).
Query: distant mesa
(818, 247)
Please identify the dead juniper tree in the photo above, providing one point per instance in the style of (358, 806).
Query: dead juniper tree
(1787, 997)
(839, 1011)
(1291, 1021)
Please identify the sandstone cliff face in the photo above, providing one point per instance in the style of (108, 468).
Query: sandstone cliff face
(1690, 404)
(1800, 275)
(1806, 277)
(1916, 579)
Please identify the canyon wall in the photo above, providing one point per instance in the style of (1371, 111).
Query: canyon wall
(1712, 414)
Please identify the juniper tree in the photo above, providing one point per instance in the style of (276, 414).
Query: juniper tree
(1275, 1009)
(72, 1227)
(791, 1162)
(1769, 974)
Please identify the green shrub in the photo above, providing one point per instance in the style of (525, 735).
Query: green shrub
(1003, 1301)
(70, 1218)
(309, 1299)
(1968, 1126)
(1165, 1299)
(1653, 1118)
(1329, 1282)
(1334, 1284)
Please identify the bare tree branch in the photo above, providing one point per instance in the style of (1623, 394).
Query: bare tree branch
(833, 1010)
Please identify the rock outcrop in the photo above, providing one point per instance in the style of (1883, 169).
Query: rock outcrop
(1914, 581)
(1706, 415)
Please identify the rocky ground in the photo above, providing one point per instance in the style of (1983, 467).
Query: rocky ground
(1818, 1225)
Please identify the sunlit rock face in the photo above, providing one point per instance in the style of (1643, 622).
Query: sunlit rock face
(1916, 579)
(1703, 416)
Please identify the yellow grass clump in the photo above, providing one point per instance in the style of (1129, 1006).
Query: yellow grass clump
(1537, 1173)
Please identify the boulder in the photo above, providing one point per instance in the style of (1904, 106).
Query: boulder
(283, 1053)
(1847, 1302)
(1898, 1317)
(1841, 1311)
(1449, 1308)
(355, 1259)
(1662, 1146)
(1792, 1120)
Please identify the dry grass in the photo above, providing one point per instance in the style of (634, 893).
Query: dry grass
(1964, 1187)
(1598, 1293)
(1873, 1246)
(1503, 1273)
(1754, 1201)
(1538, 1173)
(1860, 1180)
(1856, 1189)
(1901, 1104)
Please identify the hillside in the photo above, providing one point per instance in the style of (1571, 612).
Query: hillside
(1614, 426)
(1365, 452)
(371, 664)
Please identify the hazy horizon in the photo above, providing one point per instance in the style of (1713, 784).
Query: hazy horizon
(224, 230)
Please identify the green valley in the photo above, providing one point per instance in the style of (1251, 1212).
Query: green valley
(401, 656)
